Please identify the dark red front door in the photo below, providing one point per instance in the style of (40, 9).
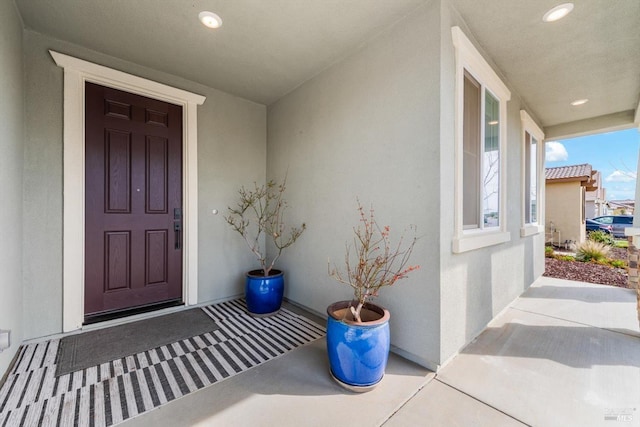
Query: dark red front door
(133, 201)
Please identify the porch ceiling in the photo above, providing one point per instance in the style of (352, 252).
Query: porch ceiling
(264, 49)
(267, 48)
(592, 53)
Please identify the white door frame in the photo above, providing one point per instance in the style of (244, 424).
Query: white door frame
(76, 73)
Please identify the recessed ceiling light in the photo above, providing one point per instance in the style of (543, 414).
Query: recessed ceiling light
(558, 12)
(579, 102)
(210, 19)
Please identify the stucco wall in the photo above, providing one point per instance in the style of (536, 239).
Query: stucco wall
(479, 284)
(11, 163)
(564, 208)
(231, 151)
(367, 128)
(377, 126)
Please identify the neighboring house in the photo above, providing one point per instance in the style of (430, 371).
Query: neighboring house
(620, 207)
(433, 111)
(565, 205)
(595, 201)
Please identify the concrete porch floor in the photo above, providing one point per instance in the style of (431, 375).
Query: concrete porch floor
(565, 353)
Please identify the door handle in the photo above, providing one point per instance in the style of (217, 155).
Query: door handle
(177, 229)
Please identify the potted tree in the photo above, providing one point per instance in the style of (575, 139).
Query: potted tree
(358, 338)
(259, 218)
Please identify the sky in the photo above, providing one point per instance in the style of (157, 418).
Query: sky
(614, 154)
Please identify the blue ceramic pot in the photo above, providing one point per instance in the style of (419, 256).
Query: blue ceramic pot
(264, 294)
(358, 352)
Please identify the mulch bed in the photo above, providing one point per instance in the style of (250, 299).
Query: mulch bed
(589, 271)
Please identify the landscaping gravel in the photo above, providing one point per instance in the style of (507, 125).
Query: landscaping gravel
(589, 271)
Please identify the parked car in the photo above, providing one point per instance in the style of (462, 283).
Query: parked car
(618, 222)
(592, 225)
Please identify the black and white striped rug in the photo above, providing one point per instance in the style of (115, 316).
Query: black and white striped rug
(112, 392)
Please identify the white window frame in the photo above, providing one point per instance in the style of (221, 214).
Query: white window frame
(468, 58)
(530, 126)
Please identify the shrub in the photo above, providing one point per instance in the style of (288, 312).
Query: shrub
(621, 244)
(591, 251)
(601, 237)
(617, 263)
(548, 251)
(565, 257)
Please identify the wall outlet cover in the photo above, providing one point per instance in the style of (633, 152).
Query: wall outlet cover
(5, 341)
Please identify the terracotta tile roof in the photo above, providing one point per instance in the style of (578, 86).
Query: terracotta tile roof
(567, 172)
(627, 202)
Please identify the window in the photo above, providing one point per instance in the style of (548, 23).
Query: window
(491, 163)
(472, 156)
(604, 219)
(623, 220)
(481, 126)
(532, 164)
(481, 162)
(531, 179)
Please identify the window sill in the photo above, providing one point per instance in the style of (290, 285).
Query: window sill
(530, 230)
(480, 240)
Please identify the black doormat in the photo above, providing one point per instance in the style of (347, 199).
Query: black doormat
(93, 348)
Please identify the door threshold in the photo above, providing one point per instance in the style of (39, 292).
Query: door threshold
(118, 314)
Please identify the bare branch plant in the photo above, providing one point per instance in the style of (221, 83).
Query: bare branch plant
(259, 215)
(377, 262)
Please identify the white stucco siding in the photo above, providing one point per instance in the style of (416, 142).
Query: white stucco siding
(564, 204)
(231, 152)
(377, 125)
(11, 170)
(367, 128)
(479, 284)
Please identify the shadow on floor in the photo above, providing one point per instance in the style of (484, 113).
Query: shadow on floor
(574, 346)
(597, 294)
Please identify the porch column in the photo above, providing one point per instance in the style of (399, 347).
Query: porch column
(633, 236)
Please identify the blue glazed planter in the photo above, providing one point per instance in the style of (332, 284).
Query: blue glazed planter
(264, 294)
(358, 352)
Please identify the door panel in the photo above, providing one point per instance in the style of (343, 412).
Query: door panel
(157, 153)
(133, 200)
(117, 260)
(117, 171)
(156, 257)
